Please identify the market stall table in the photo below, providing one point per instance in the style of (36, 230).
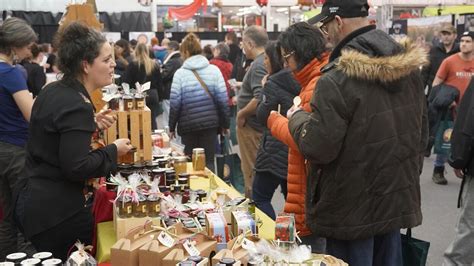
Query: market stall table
(106, 235)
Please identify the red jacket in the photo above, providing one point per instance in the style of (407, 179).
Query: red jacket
(225, 66)
(278, 125)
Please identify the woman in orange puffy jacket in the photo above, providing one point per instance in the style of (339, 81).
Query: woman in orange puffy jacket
(303, 48)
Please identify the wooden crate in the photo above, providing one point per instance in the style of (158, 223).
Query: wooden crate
(136, 126)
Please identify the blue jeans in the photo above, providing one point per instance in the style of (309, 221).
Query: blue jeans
(318, 244)
(383, 250)
(264, 186)
(440, 160)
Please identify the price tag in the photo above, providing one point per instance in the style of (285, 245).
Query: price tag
(191, 248)
(248, 245)
(166, 239)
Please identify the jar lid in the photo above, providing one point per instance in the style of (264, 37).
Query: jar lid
(227, 261)
(124, 166)
(151, 164)
(52, 262)
(138, 165)
(187, 263)
(182, 159)
(184, 175)
(31, 262)
(198, 150)
(43, 255)
(16, 256)
(160, 170)
(127, 97)
(169, 171)
(7, 263)
(195, 258)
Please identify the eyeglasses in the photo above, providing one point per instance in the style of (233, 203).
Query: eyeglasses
(324, 25)
(287, 56)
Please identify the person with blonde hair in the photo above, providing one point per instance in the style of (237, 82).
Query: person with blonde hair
(142, 70)
(198, 103)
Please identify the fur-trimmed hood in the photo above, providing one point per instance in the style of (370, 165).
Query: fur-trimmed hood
(385, 69)
(372, 55)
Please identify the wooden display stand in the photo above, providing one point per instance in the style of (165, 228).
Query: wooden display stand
(136, 126)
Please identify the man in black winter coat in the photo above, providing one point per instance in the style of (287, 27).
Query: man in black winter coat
(364, 137)
(462, 160)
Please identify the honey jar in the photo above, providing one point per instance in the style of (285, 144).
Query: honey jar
(139, 101)
(128, 103)
(154, 206)
(180, 164)
(124, 205)
(114, 103)
(140, 209)
(199, 159)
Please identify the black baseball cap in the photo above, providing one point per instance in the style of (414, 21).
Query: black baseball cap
(468, 34)
(342, 8)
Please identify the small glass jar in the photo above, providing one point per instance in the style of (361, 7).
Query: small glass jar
(53, 262)
(180, 164)
(151, 165)
(31, 262)
(199, 159)
(227, 261)
(124, 206)
(139, 101)
(128, 103)
(163, 163)
(140, 209)
(201, 195)
(159, 174)
(170, 177)
(154, 206)
(183, 179)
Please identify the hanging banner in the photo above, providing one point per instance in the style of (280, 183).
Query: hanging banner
(187, 12)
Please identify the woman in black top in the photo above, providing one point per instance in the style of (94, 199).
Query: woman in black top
(36, 76)
(122, 57)
(51, 203)
(142, 70)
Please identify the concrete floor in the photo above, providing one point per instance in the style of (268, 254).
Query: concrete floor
(439, 211)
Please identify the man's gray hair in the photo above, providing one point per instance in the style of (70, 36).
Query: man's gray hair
(257, 34)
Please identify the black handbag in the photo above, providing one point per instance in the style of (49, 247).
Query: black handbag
(414, 251)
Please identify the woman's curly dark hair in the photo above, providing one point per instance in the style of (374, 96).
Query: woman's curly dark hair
(305, 41)
(77, 42)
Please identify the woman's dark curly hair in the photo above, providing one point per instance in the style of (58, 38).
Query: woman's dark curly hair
(76, 42)
(305, 41)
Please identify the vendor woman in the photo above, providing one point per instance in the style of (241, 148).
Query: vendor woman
(51, 203)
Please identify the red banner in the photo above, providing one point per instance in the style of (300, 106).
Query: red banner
(187, 12)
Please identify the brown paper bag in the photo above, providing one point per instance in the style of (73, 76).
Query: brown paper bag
(174, 257)
(125, 251)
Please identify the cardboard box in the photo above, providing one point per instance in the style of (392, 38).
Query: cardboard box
(175, 256)
(125, 251)
(152, 253)
(242, 221)
(285, 228)
(217, 228)
(235, 250)
(226, 253)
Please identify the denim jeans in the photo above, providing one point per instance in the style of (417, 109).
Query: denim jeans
(383, 250)
(440, 160)
(263, 188)
(318, 244)
(202, 139)
(12, 160)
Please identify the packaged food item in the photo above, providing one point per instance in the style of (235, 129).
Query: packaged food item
(285, 229)
(139, 101)
(128, 103)
(124, 206)
(199, 159)
(139, 209)
(217, 228)
(242, 222)
(81, 257)
(114, 103)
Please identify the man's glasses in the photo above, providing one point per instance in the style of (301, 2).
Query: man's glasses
(324, 25)
(287, 56)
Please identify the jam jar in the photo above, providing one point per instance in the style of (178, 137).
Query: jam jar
(114, 103)
(140, 209)
(199, 159)
(159, 174)
(180, 164)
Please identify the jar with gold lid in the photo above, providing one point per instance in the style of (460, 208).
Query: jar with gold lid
(140, 209)
(139, 101)
(128, 103)
(124, 206)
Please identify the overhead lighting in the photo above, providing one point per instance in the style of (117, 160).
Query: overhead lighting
(286, 13)
(295, 7)
(282, 9)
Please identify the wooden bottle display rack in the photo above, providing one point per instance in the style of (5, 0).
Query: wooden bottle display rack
(136, 126)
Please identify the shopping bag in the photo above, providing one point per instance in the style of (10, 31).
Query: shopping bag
(228, 165)
(414, 251)
(442, 143)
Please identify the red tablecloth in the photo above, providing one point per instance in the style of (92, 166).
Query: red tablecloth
(102, 210)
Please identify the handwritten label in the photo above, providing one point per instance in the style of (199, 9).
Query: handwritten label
(166, 239)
